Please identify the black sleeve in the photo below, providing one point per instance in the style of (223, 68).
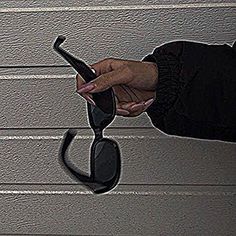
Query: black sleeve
(196, 90)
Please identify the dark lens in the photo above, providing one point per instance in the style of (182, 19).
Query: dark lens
(106, 163)
(101, 115)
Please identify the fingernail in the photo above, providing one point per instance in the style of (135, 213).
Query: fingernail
(122, 112)
(86, 88)
(136, 106)
(149, 102)
(90, 100)
(128, 106)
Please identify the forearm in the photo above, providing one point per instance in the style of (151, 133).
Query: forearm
(196, 90)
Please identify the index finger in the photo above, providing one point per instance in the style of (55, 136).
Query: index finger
(79, 81)
(107, 65)
(107, 80)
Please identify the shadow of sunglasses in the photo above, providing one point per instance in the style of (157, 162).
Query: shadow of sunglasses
(105, 158)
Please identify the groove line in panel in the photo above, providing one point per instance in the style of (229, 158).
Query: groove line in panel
(13, 234)
(160, 135)
(141, 193)
(125, 190)
(32, 66)
(26, 77)
(50, 137)
(113, 8)
(126, 133)
(75, 127)
(123, 184)
(38, 134)
(153, 190)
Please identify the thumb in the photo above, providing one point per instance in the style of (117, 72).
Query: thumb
(105, 81)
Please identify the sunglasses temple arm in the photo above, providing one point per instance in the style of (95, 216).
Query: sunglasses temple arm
(65, 144)
(77, 64)
(80, 175)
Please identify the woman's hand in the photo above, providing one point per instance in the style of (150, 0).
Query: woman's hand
(133, 83)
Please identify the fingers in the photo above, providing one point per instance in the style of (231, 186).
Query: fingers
(132, 109)
(126, 109)
(122, 108)
(107, 80)
(79, 81)
(120, 75)
(88, 97)
(107, 65)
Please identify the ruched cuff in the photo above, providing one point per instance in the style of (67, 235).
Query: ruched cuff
(167, 58)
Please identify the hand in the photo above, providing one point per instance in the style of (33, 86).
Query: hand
(133, 83)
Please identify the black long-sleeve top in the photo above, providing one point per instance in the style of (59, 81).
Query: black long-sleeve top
(196, 90)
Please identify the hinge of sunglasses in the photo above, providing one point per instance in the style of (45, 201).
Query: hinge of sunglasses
(98, 133)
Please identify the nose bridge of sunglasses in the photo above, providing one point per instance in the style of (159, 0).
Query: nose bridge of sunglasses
(99, 119)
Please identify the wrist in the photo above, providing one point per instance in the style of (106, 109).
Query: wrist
(152, 70)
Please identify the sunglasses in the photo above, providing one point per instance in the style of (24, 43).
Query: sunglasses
(105, 158)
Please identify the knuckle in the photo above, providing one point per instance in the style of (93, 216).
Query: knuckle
(108, 60)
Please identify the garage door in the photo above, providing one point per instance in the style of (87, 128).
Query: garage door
(169, 185)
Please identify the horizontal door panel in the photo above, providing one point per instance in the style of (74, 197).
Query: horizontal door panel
(129, 210)
(41, 100)
(27, 36)
(148, 157)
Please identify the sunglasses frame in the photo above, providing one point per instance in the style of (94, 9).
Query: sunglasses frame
(91, 182)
